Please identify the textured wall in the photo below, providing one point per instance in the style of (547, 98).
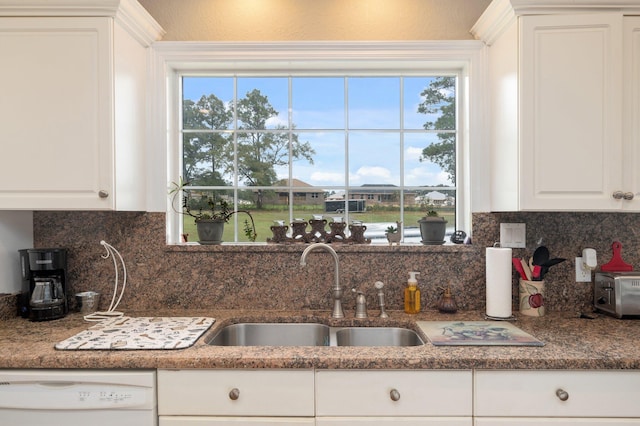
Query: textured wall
(271, 278)
(289, 20)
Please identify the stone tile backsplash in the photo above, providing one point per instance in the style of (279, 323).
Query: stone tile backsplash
(269, 277)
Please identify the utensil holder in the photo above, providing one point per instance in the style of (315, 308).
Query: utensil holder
(531, 298)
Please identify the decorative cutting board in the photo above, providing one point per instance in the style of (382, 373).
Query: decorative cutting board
(139, 333)
(476, 333)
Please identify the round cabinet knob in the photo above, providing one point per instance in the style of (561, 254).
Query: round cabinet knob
(394, 395)
(103, 194)
(562, 394)
(234, 394)
(628, 196)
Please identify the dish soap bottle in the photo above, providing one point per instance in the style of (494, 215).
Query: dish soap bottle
(412, 295)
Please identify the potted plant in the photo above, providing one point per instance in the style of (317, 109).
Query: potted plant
(211, 216)
(393, 234)
(432, 228)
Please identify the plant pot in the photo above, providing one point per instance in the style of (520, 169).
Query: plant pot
(210, 231)
(432, 230)
(393, 237)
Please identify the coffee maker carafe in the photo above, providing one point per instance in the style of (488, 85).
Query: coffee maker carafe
(44, 284)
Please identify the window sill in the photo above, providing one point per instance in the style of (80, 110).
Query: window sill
(299, 247)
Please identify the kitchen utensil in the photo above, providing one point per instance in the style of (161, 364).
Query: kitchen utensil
(540, 255)
(518, 265)
(536, 273)
(616, 264)
(527, 270)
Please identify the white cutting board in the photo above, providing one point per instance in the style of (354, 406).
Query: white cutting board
(476, 333)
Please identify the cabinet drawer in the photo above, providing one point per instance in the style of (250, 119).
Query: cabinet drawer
(235, 421)
(416, 393)
(547, 421)
(534, 393)
(393, 421)
(259, 392)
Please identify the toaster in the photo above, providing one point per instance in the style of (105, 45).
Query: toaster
(617, 293)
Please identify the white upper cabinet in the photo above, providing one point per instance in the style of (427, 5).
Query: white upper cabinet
(73, 110)
(564, 111)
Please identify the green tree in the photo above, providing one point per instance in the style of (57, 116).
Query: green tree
(205, 154)
(439, 98)
(260, 152)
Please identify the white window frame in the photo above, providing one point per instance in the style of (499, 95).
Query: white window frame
(170, 59)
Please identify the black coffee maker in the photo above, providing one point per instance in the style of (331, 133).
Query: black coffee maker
(44, 284)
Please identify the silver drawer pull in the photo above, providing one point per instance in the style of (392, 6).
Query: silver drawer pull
(394, 395)
(628, 196)
(617, 195)
(234, 394)
(562, 394)
(103, 194)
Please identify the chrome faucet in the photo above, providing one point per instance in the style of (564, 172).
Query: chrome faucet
(337, 289)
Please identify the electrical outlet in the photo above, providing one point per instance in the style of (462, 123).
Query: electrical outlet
(513, 235)
(583, 275)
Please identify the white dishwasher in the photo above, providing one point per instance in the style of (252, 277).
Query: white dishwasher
(78, 398)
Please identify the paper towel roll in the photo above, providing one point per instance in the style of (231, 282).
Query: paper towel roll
(499, 285)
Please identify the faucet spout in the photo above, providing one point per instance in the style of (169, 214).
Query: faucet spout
(337, 289)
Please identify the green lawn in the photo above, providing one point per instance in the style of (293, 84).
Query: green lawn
(264, 219)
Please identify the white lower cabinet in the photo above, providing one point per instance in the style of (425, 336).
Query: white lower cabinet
(235, 397)
(257, 397)
(386, 397)
(550, 397)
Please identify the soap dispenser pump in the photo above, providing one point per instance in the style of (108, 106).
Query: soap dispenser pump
(412, 295)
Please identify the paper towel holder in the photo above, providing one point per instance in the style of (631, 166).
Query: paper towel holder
(512, 317)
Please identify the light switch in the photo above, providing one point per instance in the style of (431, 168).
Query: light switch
(513, 235)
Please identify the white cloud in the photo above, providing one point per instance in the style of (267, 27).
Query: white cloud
(420, 176)
(375, 172)
(277, 121)
(412, 153)
(327, 177)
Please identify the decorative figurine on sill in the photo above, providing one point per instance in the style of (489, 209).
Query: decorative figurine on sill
(447, 303)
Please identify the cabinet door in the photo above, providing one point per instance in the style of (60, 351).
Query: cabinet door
(393, 393)
(571, 121)
(56, 112)
(549, 393)
(631, 114)
(235, 393)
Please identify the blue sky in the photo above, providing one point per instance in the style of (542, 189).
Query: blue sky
(318, 112)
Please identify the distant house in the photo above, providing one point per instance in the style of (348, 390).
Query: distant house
(435, 198)
(303, 193)
(384, 194)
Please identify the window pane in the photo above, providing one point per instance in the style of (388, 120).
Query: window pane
(327, 151)
(318, 102)
(374, 158)
(263, 103)
(207, 158)
(258, 154)
(429, 159)
(206, 103)
(374, 103)
(345, 137)
(429, 103)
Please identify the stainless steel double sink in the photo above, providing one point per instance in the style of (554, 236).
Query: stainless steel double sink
(312, 334)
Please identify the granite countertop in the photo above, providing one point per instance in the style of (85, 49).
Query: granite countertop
(570, 343)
